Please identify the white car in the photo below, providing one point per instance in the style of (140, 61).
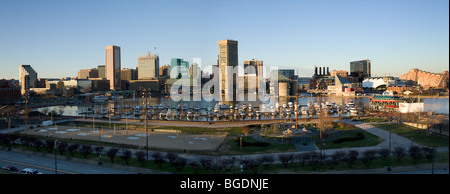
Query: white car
(30, 171)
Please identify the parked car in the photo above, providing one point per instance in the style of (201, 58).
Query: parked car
(30, 171)
(10, 168)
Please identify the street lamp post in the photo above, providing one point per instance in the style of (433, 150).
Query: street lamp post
(389, 156)
(240, 151)
(56, 166)
(145, 95)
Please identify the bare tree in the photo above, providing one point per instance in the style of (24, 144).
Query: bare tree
(85, 150)
(251, 164)
(266, 160)
(368, 157)
(158, 159)
(73, 148)
(112, 152)
(62, 146)
(176, 161)
(428, 152)
(303, 157)
(140, 155)
(227, 163)
(384, 153)
(206, 162)
(334, 161)
(314, 159)
(285, 159)
(98, 149)
(399, 153)
(38, 144)
(49, 144)
(195, 166)
(415, 153)
(351, 157)
(126, 156)
(216, 167)
(324, 123)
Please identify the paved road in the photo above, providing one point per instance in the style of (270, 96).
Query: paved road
(46, 165)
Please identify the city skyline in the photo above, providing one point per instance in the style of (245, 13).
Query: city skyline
(398, 35)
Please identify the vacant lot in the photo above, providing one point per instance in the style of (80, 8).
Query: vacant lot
(160, 140)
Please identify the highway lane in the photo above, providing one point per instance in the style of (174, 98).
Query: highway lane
(47, 165)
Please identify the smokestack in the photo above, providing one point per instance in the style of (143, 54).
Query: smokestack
(328, 70)
(315, 70)
(320, 71)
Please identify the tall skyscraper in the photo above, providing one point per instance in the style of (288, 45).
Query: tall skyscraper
(112, 66)
(257, 64)
(179, 68)
(228, 56)
(148, 66)
(360, 69)
(27, 78)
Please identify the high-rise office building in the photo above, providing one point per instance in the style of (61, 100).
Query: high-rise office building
(288, 73)
(179, 68)
(257, 70)
(27, 78)
(257, 64)
(228, 56)
(164, 71)
(88, 73)
(148, 66)
(101, 71)
(128, 74)
(112, 66)
(360, 69)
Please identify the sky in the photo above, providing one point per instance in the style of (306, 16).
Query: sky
(60, 37)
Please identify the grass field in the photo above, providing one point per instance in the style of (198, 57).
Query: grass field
(418, 135)
(368, 140)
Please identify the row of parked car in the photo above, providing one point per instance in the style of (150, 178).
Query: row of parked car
(23, 171)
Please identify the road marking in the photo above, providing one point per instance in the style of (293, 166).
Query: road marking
(36, 166)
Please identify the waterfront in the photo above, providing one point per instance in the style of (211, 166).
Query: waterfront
(165, 108)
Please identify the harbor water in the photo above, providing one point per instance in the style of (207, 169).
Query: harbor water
(204, 110)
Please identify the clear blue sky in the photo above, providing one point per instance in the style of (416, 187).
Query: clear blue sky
(60, 37)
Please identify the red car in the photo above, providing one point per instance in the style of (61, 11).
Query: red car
(10, 168)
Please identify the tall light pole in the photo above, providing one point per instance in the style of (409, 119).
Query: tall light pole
(56, 166)
(26, 116)
(145, 93)
(296, 106)
(389, 159)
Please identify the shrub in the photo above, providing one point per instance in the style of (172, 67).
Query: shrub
(246, 143)
(399, 153)
(86, 150)
(285, 159)
(112, 153)
(126, 155)
(415, 152)
(359, 136)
